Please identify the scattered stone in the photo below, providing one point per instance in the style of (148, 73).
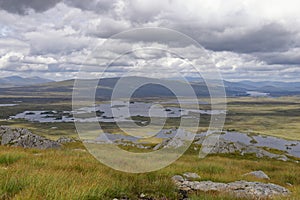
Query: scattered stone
(24, 138)
(173, 143)
(282, 158)
(158, 146)
(222, 147)
(142, 195)
(177, 178)
(81, 150)
(191, 176)
(206, 186)
(258, 174)
(64, 139)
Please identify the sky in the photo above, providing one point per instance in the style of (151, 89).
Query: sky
(246, 39)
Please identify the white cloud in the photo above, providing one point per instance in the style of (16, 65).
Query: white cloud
(246, 38)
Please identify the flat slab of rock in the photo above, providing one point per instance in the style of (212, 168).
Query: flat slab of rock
(24, 138)
(239, 189)
(258, 174)
(256, 190)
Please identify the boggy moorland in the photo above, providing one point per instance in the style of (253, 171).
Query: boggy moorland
(70, 172)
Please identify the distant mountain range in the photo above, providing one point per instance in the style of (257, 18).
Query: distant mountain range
(43, 87)
(272, 88)
(13, 81)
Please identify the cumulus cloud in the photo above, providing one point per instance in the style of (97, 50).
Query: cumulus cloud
(55, 42)
(247, 39)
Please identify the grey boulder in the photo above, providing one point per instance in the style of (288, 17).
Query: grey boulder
(258, 174)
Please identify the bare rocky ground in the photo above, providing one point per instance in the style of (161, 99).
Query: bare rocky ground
(189, 181)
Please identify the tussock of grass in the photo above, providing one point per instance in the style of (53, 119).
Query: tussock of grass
(10, 158)
(211, 169)
(10, 187)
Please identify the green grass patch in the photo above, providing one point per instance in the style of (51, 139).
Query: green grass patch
(11, 186)
(9, 158)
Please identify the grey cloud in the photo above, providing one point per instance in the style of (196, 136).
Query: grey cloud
(21, 6)
(290, 57)
(98, 6)
(269, 37)
(106, 27)
(271, 43)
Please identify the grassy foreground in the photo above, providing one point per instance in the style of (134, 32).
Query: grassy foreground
(72, 173)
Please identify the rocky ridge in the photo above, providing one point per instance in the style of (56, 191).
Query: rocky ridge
(24, 138)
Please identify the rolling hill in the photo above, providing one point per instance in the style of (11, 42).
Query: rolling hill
(45, 88)
(13, 81)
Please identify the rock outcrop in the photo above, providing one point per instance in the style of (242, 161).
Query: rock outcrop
(239, 189)
(221, 146)
(24, 138)
(228, 147)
